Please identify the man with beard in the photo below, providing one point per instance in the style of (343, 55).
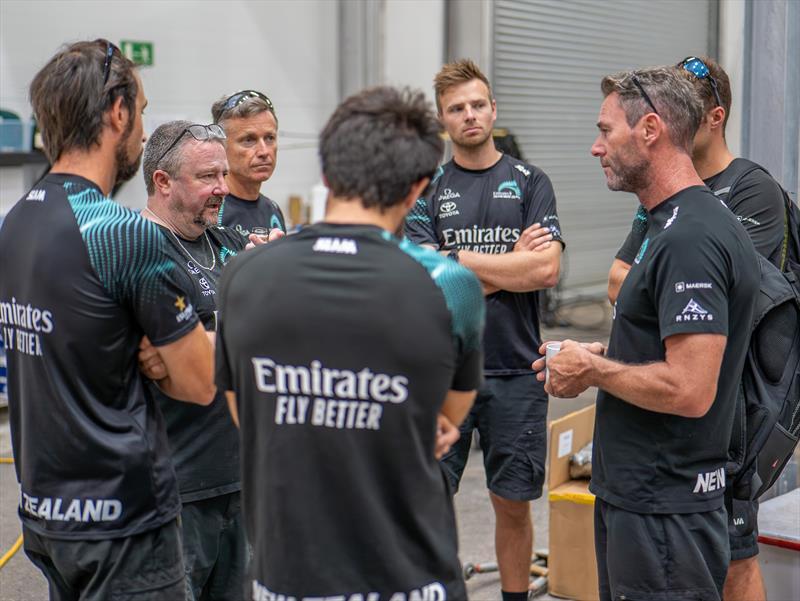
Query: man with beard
(757, 201)
(497, 216)
(668, 380)
(184, 172)
(83, 279)
(251, 125)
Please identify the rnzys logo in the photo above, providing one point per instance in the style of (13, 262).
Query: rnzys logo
(37, 195)
(508, 189)
(694, 312)
(448, 194)
(448, 209)
(522, 170)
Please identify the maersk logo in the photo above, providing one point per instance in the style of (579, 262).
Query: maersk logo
(508, 189)
(710, 481)
(448, 194)
(694, 312)
(448, 209)
(684, 286)
(341, 246)
(36, 195)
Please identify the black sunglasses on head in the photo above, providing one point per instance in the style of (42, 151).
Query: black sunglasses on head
(700, 70)
(110, 48)
(638, 84)
(199, 132)
(239, 97)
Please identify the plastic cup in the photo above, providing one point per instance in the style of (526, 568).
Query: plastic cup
(550, 352)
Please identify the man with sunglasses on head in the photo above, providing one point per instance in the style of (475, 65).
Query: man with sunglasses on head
(83, 280)
(668, 380)
(757, 201)
(184, 172)
(251, 125)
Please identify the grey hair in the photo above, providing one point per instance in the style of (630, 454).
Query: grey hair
(247, 108)
(675, 98)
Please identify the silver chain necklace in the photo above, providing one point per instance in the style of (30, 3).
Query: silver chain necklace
(178, 240)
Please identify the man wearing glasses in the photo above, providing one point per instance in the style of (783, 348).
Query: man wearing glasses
(184, 172)
(757, 201)
(668, 380)
(83, 280)
(251, 125)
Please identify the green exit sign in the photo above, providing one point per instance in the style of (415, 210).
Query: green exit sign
(140, 53)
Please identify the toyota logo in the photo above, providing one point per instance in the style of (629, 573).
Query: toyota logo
(447, 207)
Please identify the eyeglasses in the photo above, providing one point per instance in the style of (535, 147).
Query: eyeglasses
(239, 97)
(700, 70)
(638, 84)
(201, 133)
(107, 64)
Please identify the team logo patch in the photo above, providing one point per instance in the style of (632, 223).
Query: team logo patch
(192, 268)
(36, 195)
(508, 189)
(522, 170)
(694, 312)
(184, 310)
(448, 209)
(672, 219)
(642, 250)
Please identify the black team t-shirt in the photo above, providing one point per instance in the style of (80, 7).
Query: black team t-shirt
(204, 440)
(258, 216)
(341, 343)
(485, 211)
(83, 280)
(696, 272)
(757, 202)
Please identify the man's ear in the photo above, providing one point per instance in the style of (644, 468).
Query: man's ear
(652, 128)
(118, 116)
(716, 117)
(162, 181)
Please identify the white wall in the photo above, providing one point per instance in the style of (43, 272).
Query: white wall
(202, 50)
(731, 58)
(414, 43)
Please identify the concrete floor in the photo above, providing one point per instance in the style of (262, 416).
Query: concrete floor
(21, 581)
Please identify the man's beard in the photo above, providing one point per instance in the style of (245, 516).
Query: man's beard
(126, 168)
(630, 177)
(206, 222)
(465, 142)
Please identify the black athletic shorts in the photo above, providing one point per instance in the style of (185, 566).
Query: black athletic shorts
(142, 567)
(510, 414)
(214, 548)
(660, 557)
(742, 526)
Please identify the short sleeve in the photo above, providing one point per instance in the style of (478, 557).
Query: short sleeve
(540, 204)
(758, 204)
(419, 227)
(689, 277)
(635, 238)
(158, 296)
(277, 220)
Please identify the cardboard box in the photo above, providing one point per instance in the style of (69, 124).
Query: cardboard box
(572, 567)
